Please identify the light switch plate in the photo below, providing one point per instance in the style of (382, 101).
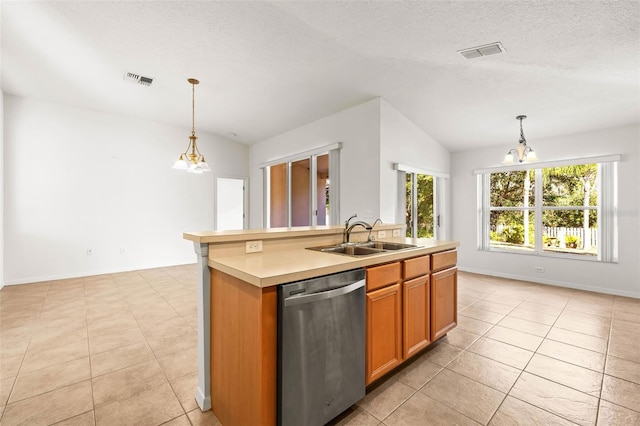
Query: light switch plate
(382, 234)
(396, 232)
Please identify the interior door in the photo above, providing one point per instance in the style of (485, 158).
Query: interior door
(230, 204)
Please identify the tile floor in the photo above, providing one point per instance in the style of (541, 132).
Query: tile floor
(121, 349)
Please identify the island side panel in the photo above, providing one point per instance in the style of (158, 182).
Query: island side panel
(243, 351)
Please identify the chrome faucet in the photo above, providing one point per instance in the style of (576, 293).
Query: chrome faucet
(347, 231)
(370, 237)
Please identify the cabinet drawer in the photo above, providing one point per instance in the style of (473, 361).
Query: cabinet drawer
(383, 275)
(443, 260)
(415, 267)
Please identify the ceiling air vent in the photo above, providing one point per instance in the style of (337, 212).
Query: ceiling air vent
(137, 78)
(487, 49)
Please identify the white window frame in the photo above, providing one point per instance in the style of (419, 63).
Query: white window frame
(606, 208)
(439, 180)
(333, 151)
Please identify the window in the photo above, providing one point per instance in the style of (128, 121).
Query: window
(560, 210)
(298, 191)
(423, 199)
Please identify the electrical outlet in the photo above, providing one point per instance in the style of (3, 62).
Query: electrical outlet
(89, 252)
(253, 246)
(368, 213)
(396, 232)
(382, 234)
(123, 250)
(538, 268)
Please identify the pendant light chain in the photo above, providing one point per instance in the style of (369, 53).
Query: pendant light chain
(194, 161)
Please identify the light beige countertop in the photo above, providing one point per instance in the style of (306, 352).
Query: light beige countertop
(266, 269)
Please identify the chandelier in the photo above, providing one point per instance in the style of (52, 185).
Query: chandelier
(522, 153)
(191, 160)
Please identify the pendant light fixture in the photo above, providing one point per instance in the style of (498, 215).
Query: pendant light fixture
(523, 153)
(191, 160)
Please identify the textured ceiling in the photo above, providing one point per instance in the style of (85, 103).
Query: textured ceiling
(267, 67)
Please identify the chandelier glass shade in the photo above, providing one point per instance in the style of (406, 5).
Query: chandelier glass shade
(191, 159)
(522, 153)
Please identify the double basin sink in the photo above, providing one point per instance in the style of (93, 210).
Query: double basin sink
(363, 249)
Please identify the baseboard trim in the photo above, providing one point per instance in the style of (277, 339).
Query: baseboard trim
(89, 273)
(556, 283)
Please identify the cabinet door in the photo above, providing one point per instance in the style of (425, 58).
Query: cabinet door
(415, 297)
(384, 331)
(444, 302)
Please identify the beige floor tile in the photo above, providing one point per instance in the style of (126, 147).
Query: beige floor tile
(117, 359)
(151, 407)
(624, 344)
(50, 407)
(558, 399)
(621, 392)
(41, 358)
(627, 316)
(354, 416)
(542, 308)
(174, 326)
(525, 326)
(198, 418)
(534, 316)
(501, 352)
(61, 336)
(179, 364)
(623, 369)
(618, 324)
(496, 307)
(460, 338)
(442, 353)
(464, 395)
(123, 384)
(50, 378)
(588, 318)
(486, 371)
(107, 342)
(473, 325)
(514, 337)
(385, 398)
(162, 346)
(418, 373)
(503, 300)
(113, 325)
(573, 355)
(614, 415)
(545, 296)
(6, 385)
(482, 315)
(514, 412)
(9, 366)
(596, 330)
(573, 376)
(179, 421)
(580, 340)
(185, 389)
(85, 419)
(421, 410)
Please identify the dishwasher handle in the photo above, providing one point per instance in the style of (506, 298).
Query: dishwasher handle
(314, 297)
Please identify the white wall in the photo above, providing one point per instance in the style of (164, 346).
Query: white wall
(358, 128)
(1, 189)
(78, 179)
(401, 141)
(622, 278)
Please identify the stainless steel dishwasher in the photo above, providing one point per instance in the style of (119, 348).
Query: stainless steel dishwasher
(321, 347)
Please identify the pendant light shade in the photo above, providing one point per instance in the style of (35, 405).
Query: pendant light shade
(191, 160)
(522, 153)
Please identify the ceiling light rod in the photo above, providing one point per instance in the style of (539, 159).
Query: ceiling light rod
(192, 162)
(523, 153)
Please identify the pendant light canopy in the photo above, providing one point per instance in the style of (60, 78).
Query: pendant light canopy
(191, 160)
(523, 153)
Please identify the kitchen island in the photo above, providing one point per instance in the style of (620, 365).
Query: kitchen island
(237, 306)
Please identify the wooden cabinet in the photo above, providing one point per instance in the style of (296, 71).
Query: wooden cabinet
(444, 302)
(415, 297)
(410, 304)
(384, 319)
